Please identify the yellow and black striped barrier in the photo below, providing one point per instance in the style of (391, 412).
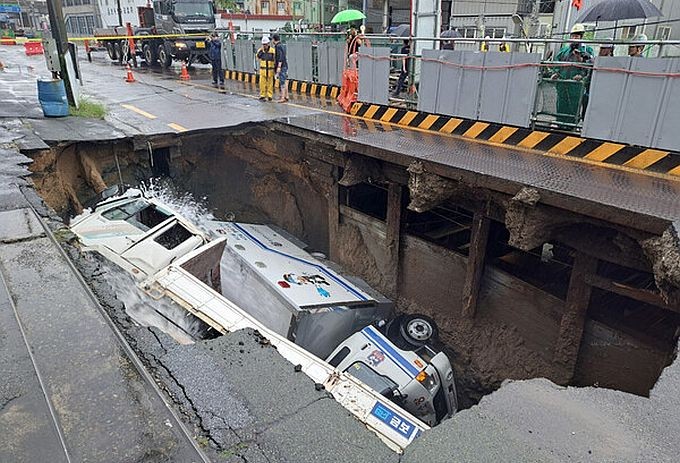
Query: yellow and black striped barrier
(549, 143)
(297, 86)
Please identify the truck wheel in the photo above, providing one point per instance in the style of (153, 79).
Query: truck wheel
(111, 50)
(118, 50)
(149, 54)
(164, 56)
(418, 330)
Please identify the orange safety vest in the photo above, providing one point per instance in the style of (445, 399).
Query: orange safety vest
(267, 58)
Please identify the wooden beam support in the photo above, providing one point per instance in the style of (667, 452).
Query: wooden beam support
(393, 235)
(573, 319)
(475, 263)
(641, 295)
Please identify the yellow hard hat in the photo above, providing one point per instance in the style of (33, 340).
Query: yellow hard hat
(578, 29)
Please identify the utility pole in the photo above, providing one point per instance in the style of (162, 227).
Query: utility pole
(120, 13)
(58, 29)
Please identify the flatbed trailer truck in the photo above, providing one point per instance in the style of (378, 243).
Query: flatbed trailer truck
(169, 30)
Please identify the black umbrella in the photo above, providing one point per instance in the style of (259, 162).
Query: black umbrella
(450, 33)
(402, 30)
(616, 10)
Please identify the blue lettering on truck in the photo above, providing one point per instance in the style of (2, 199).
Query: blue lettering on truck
(393, 420)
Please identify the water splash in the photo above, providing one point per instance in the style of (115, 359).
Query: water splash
(182, 203)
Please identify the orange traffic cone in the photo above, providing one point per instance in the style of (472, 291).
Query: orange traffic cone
(184, 74)
(129, 78)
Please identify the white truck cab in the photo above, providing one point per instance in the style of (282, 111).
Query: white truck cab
(141, 235)
(420, 381)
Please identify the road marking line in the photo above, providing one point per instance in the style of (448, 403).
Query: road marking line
(138, 111)
(177, 127)
(566, 145)
(646, 158)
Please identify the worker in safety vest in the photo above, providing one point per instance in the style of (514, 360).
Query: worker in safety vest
(267, 57)
(504, 47)
(484, 46)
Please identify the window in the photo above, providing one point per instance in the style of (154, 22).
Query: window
(297, 8)
(468, 32)
(339, 357)
(265, 7)
(495, 32)
(628, 32)
(368, 376)
(663, 33)
(173, 237)
(138, 213)
(281, 8)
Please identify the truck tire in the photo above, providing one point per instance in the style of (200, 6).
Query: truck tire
(111, 50)
(164, 56)
(125, 50)
(418, 330)
(118, 51)
(150, 55)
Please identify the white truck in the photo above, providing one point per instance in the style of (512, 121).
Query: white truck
(290, 296)
(337, 317)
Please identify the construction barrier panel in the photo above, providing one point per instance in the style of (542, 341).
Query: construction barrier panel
(244, 56)
(331, 56)
(228, 55)
(299, 55)
(635, 101)
(374, 75)
(493, 86)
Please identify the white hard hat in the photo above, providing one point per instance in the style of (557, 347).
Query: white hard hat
(640, 38)
(578, 29)
(265, 40)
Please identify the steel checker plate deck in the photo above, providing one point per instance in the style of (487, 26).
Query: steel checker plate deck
(641, 194)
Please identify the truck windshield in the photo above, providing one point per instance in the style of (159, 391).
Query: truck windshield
(189, 9)
(368, 376)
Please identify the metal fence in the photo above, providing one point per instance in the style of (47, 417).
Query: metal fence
(629, 100)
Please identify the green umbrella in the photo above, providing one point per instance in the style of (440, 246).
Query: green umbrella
(346, 16)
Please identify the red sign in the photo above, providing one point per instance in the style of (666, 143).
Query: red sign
(577, 4)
